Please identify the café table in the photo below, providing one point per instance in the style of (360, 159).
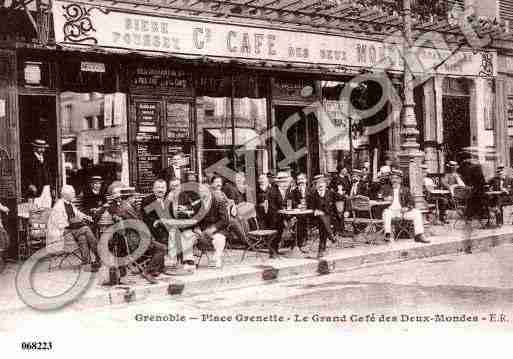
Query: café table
(297, 213)
(380, 206)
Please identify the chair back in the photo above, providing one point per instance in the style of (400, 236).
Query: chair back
(38, 222)
(361, 205)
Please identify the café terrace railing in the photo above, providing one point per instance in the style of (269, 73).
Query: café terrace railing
(362, 16)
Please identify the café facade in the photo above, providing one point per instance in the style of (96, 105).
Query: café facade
(120, 87)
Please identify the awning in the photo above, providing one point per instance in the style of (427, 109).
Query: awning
(243, 137)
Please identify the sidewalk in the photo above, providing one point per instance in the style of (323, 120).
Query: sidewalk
(253, 271)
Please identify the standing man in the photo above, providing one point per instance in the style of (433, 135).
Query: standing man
(175, 170)
(262, 201)
(402, 206)
(323, 205)
(299, 197)
(38, 178)
(277, 201)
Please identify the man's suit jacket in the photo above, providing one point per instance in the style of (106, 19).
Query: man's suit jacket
(405, 198)
(160, 233)
(495, 184)
(276, 203)
(37, 174)
(450, 179)
(169, 173)
(362, 189)
(261, 197)
(92, 200)
(217, 215)
(345, 182)
(232, 192)
(472, 175)
(325, 204)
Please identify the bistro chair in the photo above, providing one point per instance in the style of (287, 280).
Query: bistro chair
(34, 237)
(257, 239)
(461, 197)
(363, 220)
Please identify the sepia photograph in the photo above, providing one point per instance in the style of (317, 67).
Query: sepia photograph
(293, 174)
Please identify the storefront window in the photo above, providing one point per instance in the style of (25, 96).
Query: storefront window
(94, 138)
(230, 127)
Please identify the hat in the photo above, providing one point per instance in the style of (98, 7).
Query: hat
(424, 166)
(96, 179)
(452, 164)
(281, 177)
(357, 172)
(40, 143)
(499, 168)
(318, 178)
(396, 172)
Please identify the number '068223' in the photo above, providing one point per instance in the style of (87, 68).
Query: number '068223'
(36, 346)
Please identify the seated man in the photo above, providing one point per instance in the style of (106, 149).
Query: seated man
(299, 197)
(323, 205)
(65, 219)
(184, 205)
(94, 198)
(212, 229)
(429, 185)
(237, 191)
(122, 209)
(504, 184)
(452, 178)
(402, 207)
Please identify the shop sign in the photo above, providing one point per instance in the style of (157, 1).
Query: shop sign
(119, 30)
(87, 66)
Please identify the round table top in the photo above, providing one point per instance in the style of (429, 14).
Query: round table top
(374, 202)
(440, 191)
(296, 212)
(495, 193)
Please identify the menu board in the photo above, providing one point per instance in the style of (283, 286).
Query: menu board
(148, 122)
(178, 121)
(149, 153)
(177, 81)
(149, 160)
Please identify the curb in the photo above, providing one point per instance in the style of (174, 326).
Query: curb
(288, 269)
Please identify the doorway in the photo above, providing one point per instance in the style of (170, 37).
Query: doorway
(304, 133)
(456, 125)
(38, 120)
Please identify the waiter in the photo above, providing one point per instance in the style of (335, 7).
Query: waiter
(37, 178)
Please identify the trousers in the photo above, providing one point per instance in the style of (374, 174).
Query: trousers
(413, 215)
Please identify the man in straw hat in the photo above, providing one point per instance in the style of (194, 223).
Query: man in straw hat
(37, 176)
(452, 178)
(323, 204)
(504, 184)
(402, 207)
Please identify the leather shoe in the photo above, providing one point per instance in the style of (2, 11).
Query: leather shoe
(388, 238)
(421, 239)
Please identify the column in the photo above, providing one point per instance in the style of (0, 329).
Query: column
(500, 125)
(430, 133)
(439, 120)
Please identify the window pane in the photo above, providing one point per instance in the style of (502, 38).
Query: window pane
(94, 138)
(214, 120)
